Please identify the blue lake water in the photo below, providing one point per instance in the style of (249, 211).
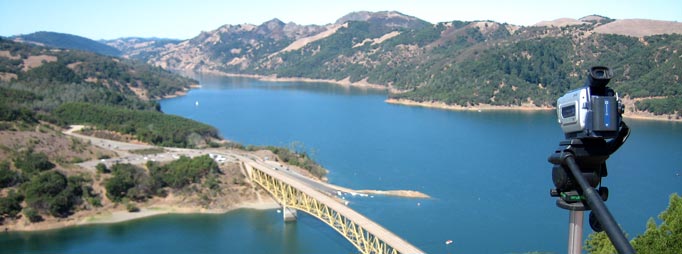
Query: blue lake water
(486, 171)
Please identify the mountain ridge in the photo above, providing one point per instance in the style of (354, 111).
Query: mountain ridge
(274, 26)
(462, 63)
(67, 41)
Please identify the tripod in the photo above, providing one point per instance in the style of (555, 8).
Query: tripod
(579, 165)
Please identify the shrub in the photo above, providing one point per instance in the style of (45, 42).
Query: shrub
(123, 179)
(95, 201)
(130, 181)
(184, 171)
(10, 206)
(101, 168)
(8, 178)
(659, 239)
(132, 208)
(53, 193)
(32, 163)
(32, 215)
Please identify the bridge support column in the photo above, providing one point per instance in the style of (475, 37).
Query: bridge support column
(289, 214)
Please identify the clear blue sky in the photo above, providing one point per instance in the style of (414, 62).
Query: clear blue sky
(184, 19)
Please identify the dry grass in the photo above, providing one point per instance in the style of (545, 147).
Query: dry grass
(36, 61)
(7, 54)
(561, 22)
(58, 147)
(4, 76)
(640, 27)
(304, 41)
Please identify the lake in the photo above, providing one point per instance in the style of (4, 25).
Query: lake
(486, 171)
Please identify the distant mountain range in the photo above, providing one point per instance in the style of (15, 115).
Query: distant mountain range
(458, 63)
(67, 41)
(140, 48)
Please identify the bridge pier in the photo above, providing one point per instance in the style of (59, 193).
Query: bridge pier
(289, 214)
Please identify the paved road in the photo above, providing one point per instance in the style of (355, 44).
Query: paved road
(322, 187)
(124, 149)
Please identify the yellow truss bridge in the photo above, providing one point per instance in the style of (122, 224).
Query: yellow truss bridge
(366, 235)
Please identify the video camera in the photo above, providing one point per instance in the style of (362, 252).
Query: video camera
(593, 110)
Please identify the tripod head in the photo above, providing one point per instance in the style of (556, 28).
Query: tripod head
(579, 165)
(590, 155)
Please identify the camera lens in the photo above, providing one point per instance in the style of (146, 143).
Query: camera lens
(599, 73)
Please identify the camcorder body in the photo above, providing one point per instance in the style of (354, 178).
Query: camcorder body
(593, 111)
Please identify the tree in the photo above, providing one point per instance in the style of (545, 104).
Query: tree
(122, 180)
(8, 178)
(32, 215)
(130, 181)
(667, 237)
(184, 171)
(51, 192)
(32, 163)
(663, 239)
(101, 168)
(10, 206)
(599, 243)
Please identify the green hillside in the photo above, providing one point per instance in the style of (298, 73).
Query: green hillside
(533, 65)
(68, 41)
(458, 63)
(77, 87)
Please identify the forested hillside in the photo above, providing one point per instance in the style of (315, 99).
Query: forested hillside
(458, 63)
(44, 89)
(76, 87)
(68, 41)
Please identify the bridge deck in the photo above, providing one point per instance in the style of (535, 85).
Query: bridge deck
(370, 226)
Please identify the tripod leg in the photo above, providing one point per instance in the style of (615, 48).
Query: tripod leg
(575, 232)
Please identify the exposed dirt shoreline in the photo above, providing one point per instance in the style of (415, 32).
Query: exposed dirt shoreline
(480, 107)
(344, 82)
(109, 216)
(638, 115)
(182, 92)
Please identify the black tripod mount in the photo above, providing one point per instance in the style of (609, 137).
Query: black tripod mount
(579, 165)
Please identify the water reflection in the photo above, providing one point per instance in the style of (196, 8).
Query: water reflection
(223, 82)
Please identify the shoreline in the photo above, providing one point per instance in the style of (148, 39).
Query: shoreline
(642, 116)
(480, 107)
(363, 84)
(182, 92)
(111, 216)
